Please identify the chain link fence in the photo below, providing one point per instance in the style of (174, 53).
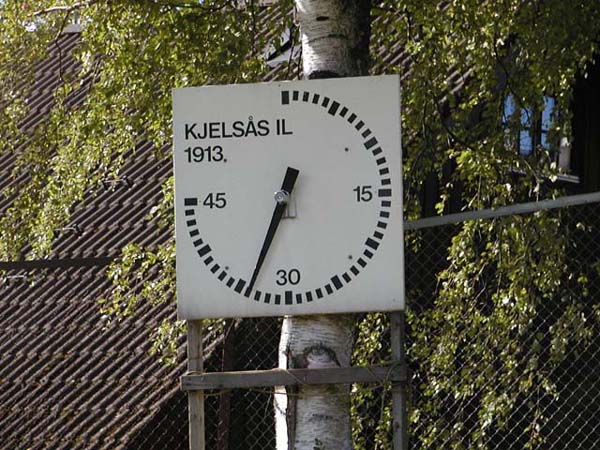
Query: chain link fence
(537, 388)
(543, 384)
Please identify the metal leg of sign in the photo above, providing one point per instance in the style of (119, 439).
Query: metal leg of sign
(399, 410)
(195, 398)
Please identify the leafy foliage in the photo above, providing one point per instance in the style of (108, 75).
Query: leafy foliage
(511, 300)
(461, 59)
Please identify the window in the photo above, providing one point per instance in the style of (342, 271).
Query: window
(532, 131)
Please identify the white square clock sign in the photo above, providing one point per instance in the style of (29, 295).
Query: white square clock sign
(288, 198)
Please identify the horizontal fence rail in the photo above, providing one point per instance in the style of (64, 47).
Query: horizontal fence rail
(293, 377)
(519, 208)
(57, 263)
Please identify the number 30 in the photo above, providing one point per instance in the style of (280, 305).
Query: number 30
(292, 277)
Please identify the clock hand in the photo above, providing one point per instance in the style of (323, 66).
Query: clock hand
(286, 189)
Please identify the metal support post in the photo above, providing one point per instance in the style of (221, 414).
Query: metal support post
(195, 398)
(399, 410)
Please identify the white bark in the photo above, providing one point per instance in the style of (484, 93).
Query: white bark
(314, 417)
(335, 36)
(335, 41)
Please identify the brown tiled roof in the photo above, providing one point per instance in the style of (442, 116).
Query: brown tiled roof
(69, 377)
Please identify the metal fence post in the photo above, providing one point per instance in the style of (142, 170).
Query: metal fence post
(196, 397)
(399, 411)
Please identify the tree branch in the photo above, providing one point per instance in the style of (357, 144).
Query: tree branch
(65, 8)
(200, 6)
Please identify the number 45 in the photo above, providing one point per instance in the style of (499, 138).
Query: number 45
(215, 200)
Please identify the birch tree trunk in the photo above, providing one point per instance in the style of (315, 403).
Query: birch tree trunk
(335, 43)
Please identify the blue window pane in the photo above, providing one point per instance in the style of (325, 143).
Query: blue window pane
(509, 107)
(548, 113)
(525, 143)
(545, 143)
(547, 119)
(526, 115)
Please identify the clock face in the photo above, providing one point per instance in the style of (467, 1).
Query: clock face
(288, 198)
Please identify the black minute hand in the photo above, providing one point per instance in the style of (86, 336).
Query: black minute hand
(286, 189)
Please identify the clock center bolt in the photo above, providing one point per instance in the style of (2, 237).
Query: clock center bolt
(282, 197)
